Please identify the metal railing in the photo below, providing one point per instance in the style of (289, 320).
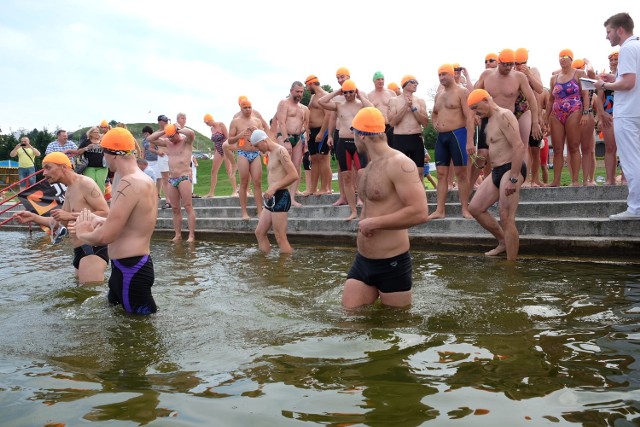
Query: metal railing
(5, 201)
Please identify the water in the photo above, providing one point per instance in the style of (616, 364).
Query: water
(243, 339)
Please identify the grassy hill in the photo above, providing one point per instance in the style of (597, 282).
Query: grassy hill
(201, 143)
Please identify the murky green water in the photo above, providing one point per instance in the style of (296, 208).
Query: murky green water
(242, 339)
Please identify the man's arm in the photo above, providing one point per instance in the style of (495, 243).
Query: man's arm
(533, 105)
(469, 118)
(363, 98)
(122, 206)
(158, 138)
(190, 135)
(394, 114)
(327, 101)
(413, 200)
(421, 114)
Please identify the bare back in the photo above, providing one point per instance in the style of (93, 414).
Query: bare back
(84, 193)
(279, 164)
(135, 198)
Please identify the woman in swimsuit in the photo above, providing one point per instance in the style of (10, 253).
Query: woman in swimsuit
(219, 135)
(566, 117)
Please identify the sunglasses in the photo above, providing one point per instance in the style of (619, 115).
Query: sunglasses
(507, 64)
(565, 57)
(348, 92)
(457, 69)
(489, 61)
(521, 63)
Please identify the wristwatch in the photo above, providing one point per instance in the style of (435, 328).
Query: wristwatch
(414, 109)
(513, 180)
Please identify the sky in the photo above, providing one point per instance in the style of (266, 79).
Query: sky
(68, 64)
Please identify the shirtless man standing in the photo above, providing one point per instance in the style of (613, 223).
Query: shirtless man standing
(454, 122)
(408, 114)
(506, 151)
(342, 75)
(505, 86)
(318, 147)
(380, 98)
(128, 228)
(179, 144)
(394, 200)
(346, 109)
(277, 200)
(293, 122)
(249, 164)
(82, 193)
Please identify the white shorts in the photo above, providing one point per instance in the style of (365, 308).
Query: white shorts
(153, 165)
(163, 164)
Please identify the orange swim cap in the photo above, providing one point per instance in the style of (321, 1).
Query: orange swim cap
(369, 121)
(578, 64)
(613, 54)
(393, 86)
(348, 85)
(241, 98)
(58, 158)
(522, 55)
(120, 139)
(311, 79)
(344, 71)
(507, 55)
(406, 79)
(170, 130)
(208, 117)
(476, 96)
(104, 124)
(566, 52)
(245, 103)
(491, 56)
(446, 68)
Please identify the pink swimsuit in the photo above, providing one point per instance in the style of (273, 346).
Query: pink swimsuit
(566, 99)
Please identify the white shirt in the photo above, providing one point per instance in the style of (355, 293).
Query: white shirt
(627, 102)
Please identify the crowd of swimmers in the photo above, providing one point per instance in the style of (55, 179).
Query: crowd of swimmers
(491, 129)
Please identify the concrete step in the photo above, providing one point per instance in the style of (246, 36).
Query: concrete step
(547, 194)
(578, 208)
(568, 227)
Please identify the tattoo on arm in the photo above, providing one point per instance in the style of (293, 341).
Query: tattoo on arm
(124, 184)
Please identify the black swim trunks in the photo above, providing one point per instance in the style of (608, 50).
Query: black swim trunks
(85, 250)
(387, 275)
(498, 172)
(388, 130)
(412, 146)
(130, 284)
(280, 202)
(317, 147)
(347, 155)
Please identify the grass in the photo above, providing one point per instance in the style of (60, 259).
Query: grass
(223, 187)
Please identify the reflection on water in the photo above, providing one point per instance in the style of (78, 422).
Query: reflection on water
(241, 338)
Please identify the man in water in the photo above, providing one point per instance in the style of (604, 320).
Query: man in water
(82, 193)
(394, 200)
(128, 228)
(179, 144)
(509, 171)
(277, 200)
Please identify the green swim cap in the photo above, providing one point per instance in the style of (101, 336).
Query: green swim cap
(378, 75)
